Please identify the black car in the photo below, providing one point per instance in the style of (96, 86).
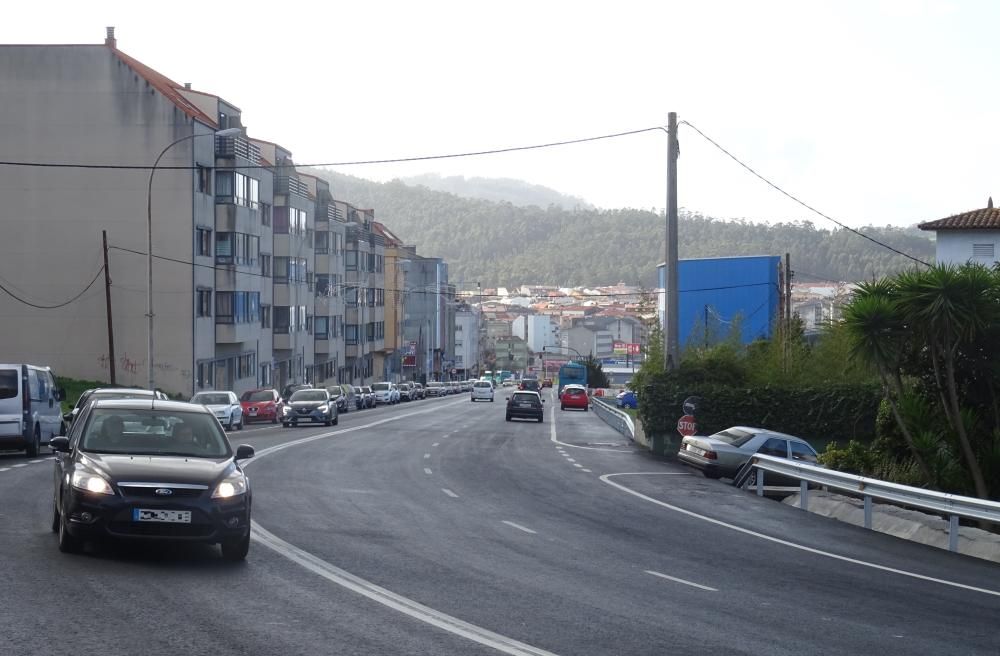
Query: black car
(529, 385)
(339, 398)
(150, 469)
(310, 406)
(109, 393)
(360, 400)
(524, 405)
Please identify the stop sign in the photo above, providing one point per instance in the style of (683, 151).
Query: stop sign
(686, 425)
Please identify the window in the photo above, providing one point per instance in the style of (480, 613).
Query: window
(282, 317)
(203, 245)
(983, 250)
(265, 316)
(351, 334)
(204, 299)
(237, 307)
(233, 187)
(323, 284)
(265, 265)
(351, 296)
(322, 327)
(265, 374)
(223, 186)
(774, 447)
(224, 247)
(289, 269)
(802, 452)
(309, 324)
(206, 374)
(246, 365)
(351, 260)
(203, 179)
(322, 243)
(265, 214)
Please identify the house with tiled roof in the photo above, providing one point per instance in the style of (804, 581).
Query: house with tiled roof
(972, 236)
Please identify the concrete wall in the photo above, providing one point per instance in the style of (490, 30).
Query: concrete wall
(955, 246)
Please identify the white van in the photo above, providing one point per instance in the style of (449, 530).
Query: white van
(30, 412)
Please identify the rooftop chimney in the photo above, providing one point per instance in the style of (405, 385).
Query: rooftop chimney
(110, 39)
(187, 85)
(989, 203)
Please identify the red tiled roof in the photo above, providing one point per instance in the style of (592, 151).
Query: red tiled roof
(167, 87)
(987, 218)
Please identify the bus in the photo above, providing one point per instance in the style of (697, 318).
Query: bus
(572, 373)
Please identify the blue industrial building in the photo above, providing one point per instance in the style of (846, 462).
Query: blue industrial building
(715, 291)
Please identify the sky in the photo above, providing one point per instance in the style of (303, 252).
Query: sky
(875, 112)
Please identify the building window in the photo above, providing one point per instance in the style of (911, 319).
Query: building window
(265, 214)
(983, 250)
(265, 265)
(351, 334)
(204, 299)
(309, 324)
(281, 320)
(203, 245)
(233, 187)
(351, 261)
(322, 327)
(236, 248)
(322, 243)
(237, 307)
(265, 316)
(206, 374)
(265, 374)
(246, 365)
(203, 179)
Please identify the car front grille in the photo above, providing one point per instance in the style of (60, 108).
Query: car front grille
(150, 492)
(155, 529)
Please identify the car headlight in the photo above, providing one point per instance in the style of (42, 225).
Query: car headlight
(88, 482)
(233, 485)
(323, 408)
(285, 410)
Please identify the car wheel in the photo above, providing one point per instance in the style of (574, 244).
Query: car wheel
(491, 399)
(229, 424)
(239, 426)
(55, 517)
(508, 417)
(540, 420)
(562, 407)
(715, 475)
(586, 407)
(68, 543)
(274, 420)
(327, 422)
(36, 440)
(336, 420)
(237, 549)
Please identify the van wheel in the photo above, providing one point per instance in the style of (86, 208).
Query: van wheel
(33, 447)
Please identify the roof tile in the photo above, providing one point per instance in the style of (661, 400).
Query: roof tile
(987, 218)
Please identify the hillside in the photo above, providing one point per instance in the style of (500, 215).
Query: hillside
(498, 243)
(516, 192)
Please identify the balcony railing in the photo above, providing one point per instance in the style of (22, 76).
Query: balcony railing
(229, 147)
(286, 184)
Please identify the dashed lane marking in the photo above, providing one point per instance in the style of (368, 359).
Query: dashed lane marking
(519, 527)
(677, 580)
(449, 493)
(428, 471)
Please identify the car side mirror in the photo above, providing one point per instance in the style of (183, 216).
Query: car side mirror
(59, 394)
(543, 400)
(244, 451)
(68, 417)
(59, 444)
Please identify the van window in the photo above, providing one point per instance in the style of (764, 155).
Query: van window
(8, 383)
(36, 384)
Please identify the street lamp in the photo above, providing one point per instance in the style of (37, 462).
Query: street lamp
(228, 132)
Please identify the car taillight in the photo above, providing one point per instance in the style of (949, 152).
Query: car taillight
(711, 455)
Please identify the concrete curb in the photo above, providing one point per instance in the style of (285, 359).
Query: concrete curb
(902, 523)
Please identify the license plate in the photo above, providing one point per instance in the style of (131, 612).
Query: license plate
(166, 516)
(524, 405)
(252, 411)
(695, 450)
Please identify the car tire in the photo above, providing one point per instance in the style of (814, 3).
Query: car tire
(35, 445)
(508, 417)
(274, 420)
(239, 426)
(562, 407)
(336, 420)
(717, 475)
(327, 422)
(491, 399)
(67, 543)
(586, 407)
(236, 550)
(540, 420)
(56, 518)
(229, 424)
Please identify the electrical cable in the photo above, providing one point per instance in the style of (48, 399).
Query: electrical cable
(57, 305)
(800, 202)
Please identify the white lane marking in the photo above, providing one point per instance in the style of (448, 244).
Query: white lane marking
(555, 440)
(36, 462)
(718, 522)
(519, 527)
(677, 580)
(392, 600)
(3, 469)
(427, 471)
(435, 444)
(449, 493)
(568, 459)
(427, 455)
(576, 464)
(586, 470)
(23, 464)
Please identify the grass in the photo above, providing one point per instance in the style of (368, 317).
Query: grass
(74, 388)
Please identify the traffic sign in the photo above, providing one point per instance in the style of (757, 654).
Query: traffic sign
(686, 426)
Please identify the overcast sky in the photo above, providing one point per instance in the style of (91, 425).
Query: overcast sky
(874, 111)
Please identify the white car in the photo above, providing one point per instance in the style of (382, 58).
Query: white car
(482, 390)
(224, 405)
(386, 393)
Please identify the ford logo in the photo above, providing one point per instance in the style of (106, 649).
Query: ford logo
(163, 491)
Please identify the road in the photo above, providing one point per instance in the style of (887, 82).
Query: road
(435, 527)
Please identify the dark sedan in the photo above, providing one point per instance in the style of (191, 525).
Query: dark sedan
(150, 469)
(310, 406)
(525, 405)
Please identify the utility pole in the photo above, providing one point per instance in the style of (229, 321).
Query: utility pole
(107, 303)
(788, 308)
(671, 348)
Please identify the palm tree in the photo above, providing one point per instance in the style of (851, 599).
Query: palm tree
(878, 337)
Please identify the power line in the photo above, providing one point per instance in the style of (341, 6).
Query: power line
(392, 160)
(800, 202)
(57, 305)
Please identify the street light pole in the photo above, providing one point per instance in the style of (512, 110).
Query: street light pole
(671, 347)
(149, 241)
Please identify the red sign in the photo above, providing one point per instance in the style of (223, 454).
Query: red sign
(409, 360)
(686, 426)
(633, 349)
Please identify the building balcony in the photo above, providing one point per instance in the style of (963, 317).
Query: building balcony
(321, 346)
(290, 185)
(233, 147)
(235, 333)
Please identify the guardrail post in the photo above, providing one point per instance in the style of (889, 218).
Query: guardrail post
(953, 533)
(804, 495)
(868, 511)
(760, 482)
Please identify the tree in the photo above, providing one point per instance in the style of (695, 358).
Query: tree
(595, 373)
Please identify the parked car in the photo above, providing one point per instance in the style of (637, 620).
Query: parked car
(405, 391)
(725, 452)
(180, 481)
(482, 390)
(420, 390)
(30, 408)
(627, 399)
(224, 405)
(290, 389)
(456, 387)
(109, 393)
(435, 388)
(369, 396)
(313, 406)
(262, 405)
(574, 396)
(385, 393)
(525, 405)
(360, 403)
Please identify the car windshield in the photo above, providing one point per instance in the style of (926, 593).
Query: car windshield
(435, 385)
(154, 433)
(210, 399)
(381, 387)
(482, 384)
(114, 394)
(308, 395)
(734, 436)
(256, 397)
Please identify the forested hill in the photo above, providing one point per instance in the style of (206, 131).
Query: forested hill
(516, 192)
(499, 243)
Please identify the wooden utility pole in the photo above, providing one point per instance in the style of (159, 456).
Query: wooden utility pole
(788, 308)
(107, 303)
(671, 334)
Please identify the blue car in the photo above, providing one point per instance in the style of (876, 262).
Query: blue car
(627, 399)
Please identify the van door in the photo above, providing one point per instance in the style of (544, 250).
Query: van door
(52, 409)
(10, 401)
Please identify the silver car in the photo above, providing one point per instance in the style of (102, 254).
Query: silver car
(724, 453)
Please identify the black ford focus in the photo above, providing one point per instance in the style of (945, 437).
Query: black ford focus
(150, 469)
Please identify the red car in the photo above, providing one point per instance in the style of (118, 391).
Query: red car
(574, 396)
(261, 405)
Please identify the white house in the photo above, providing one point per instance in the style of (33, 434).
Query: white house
(968, 237)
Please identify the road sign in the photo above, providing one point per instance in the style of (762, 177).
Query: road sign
(454, 371)
(633, 349)
(686, 426)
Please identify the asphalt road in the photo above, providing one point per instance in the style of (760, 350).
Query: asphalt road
(435, 527)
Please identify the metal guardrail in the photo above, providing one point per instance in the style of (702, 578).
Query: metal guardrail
(614, 417)
(951, 505)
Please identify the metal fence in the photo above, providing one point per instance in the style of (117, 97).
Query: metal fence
(612, 416)
(949, 505)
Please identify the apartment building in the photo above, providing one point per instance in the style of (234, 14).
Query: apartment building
(467, 340)
(396, 255)
(364, 300)
(429, 318)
